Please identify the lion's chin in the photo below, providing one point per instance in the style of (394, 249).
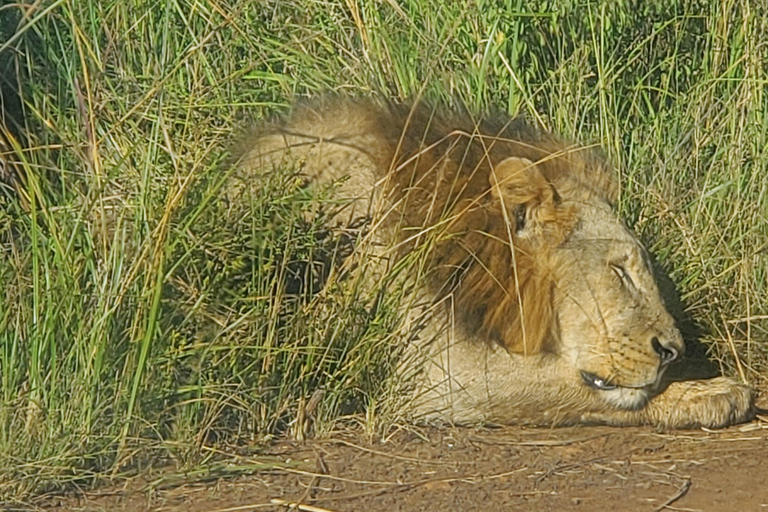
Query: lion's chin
(626, 398)
(623, 397)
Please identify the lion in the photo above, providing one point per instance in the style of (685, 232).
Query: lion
(533, 302)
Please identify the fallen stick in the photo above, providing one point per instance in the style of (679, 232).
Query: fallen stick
(679, 494)
(298, 506)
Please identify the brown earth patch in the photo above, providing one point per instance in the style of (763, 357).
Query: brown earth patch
(463, 469)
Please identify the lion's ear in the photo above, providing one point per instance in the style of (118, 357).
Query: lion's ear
(523, 191)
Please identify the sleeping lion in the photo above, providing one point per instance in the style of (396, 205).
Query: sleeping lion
(532, 302)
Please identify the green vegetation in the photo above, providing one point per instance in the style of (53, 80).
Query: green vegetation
(143, 319)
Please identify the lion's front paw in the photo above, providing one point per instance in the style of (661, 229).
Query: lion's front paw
(713, 403)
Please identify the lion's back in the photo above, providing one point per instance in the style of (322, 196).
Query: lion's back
(350, 142)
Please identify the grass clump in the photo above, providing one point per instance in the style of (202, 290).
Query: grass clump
(145, 318)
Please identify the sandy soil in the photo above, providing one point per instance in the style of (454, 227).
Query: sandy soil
(584, 468)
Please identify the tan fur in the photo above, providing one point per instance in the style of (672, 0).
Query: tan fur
(539, 305)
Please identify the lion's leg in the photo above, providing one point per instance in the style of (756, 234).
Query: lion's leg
(713, 403)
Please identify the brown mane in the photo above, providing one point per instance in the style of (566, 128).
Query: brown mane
(440, 181)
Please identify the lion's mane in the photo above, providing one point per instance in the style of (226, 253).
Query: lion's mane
(440, 182)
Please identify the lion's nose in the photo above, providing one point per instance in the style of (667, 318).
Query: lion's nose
(667, 354)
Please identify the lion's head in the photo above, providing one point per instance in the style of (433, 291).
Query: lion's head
(608, 313)
(526, 245)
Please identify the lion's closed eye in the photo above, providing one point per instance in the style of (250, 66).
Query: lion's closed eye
(623, 275)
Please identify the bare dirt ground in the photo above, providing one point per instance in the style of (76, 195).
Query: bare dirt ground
(462, 469)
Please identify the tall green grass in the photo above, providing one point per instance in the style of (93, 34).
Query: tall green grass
(144, 318)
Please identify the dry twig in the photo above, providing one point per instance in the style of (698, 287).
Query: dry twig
(298, 506)
(679, 494)
(539, 442)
